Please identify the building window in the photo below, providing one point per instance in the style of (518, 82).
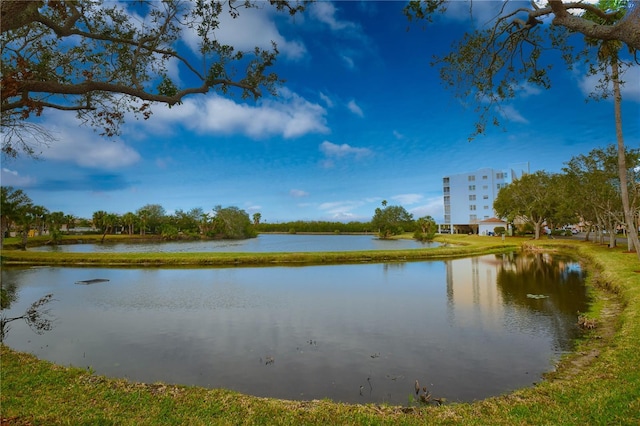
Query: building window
(485, 197)
(447, 218)
(485, 186)
(447, 209)
(473, 218)
(472, 207)
(501, 185)
(484, 177)
(472, 178)
(486, 207)
(445, 189)
(472, 197)
(472, 187)
(447, 199)
(501, 175)
(445, 181)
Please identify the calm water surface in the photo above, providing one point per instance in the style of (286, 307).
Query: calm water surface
(264, 243)
(466, 328)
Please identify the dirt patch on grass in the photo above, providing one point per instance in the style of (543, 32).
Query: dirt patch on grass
(595, 341)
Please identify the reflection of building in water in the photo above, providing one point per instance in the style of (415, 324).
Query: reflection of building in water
(471, 290)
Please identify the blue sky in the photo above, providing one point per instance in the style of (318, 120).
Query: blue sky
(362, 117)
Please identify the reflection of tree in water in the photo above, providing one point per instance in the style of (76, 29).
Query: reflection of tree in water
(37, 316)
(7, 294)
(549, 284)
(546, 274)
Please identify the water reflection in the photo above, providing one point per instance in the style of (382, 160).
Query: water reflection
(464, 328)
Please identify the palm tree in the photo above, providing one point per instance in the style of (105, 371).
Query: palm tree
(129, 220)
(70, 221)
(40, 215)
(12, 201)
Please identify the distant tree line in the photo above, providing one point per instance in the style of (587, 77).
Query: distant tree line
(20, 215)
(315, 226)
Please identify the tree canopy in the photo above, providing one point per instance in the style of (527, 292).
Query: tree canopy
(530, 199)
(391, 220)
(106, 59)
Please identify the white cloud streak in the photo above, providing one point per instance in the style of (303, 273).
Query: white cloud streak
(407, 199)
(298, 193)
(509, 112)
(339, 151)
(355, 108)
(13, 178)
(325, 12)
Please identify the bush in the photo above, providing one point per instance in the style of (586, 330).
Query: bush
(499, 230)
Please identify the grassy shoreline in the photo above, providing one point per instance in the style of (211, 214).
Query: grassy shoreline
(457, 246)
(598, 384)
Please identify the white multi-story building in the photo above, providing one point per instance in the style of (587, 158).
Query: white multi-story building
(468, 197)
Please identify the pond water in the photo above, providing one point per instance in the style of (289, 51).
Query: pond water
(465, 328)
(264, 243)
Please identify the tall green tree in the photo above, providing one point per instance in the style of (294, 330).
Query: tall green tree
(40, 216)
(103, 59)
(151, 216)
(129, 220)
(70, 221)
(391, 220)
(595, 188)
(610, 66)
(256, 219)
(12, 203)
(530, 199)
(427, 228)
(55, 221)
(232, 222)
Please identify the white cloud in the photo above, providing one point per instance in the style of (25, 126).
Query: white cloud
(84, 147)
(325, 12)
(338, 151)
(348, 61)
(289, 116)
(510, 113)
(253, 27)
(253, 208)
(13, 178)
(398, 135)
(298, 193)
(354, 108)
(340, 208)
(163, 163)
(327, 100)
(407, 199)
(433, 207)
(630, 89)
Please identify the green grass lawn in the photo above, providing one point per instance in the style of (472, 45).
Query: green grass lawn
(598, 384)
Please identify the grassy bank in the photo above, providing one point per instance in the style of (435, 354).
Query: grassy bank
(456, 246)
(599, 384)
